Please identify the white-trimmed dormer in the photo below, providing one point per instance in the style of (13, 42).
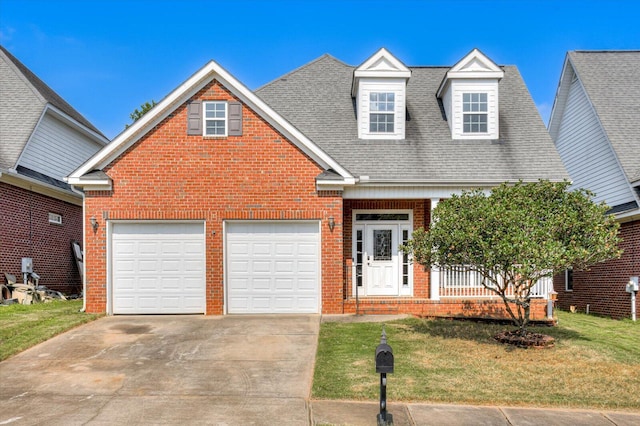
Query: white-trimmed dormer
(380, 88)
(469, 93)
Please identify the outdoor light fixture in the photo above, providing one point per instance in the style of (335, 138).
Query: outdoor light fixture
(94, 223)
(332, 224)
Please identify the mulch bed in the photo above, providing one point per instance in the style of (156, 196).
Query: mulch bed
(528, 340)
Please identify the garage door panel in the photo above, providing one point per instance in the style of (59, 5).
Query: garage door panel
(283, 266)
(158, 267)
(272, 267)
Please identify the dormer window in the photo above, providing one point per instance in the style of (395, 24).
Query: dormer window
(469, 94)
(380, 88)
(475, 108)
(381, 112)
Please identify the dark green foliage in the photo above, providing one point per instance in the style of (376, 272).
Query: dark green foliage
(516, 235)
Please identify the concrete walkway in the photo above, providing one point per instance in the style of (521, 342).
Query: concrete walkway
(349, 413)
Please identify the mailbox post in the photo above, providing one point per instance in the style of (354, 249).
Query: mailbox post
(384, 365)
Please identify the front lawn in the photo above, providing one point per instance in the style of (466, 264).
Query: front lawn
(23, 326)
(595, 363)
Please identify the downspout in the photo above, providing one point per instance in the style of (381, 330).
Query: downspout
(84, 248)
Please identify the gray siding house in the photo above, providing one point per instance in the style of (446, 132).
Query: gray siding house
(594, 125)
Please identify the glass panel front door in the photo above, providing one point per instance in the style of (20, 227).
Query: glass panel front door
(381, 260)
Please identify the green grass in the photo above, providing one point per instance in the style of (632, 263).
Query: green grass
(594, 364)
(23, 326)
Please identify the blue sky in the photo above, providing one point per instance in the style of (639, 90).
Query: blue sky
(108, 57)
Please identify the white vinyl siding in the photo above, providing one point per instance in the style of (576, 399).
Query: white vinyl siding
(586, 152)
(56, 149)
(158, 268)
(272, 267)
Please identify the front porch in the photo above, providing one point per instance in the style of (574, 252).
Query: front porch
(379, 279)
(459, 294)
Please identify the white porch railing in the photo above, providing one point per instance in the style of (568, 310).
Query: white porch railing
(458, 281)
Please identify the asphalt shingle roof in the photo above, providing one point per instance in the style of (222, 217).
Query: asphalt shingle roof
(316, 98)
(612, 82)
(24, 95)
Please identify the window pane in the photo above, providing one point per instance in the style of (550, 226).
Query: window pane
(382, 216)
(475, 123)
(382, 244)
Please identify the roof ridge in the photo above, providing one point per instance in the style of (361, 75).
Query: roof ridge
(301, 67)
(48, 94)
(606, 51)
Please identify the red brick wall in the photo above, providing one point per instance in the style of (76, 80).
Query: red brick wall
(603, 286)
(259, 175)
(25, 231)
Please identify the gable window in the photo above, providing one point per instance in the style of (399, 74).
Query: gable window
(474, 107)
(381, 112)
(215, 118)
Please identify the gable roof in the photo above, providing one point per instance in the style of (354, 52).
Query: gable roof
(24, 95)
(316, 98)
(611, 80)
(84, 174)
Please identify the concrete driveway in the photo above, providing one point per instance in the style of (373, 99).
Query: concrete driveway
(166, 370)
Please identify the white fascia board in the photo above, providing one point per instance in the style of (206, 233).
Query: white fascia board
(628, 216)
(368, 66)
(31, 184)
(131, 134)
(475, 74)
(187, 89)
(493, 71)
(475, 55)
(552, 127)
(90, 184)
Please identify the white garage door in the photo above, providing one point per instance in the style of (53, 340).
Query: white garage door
(272, 267)
(158, 268)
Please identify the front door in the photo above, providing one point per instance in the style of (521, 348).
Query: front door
(381, 260)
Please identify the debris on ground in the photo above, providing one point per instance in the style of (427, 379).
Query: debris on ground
(26, 294)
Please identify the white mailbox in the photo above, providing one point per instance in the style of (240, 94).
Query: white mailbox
(632, 285)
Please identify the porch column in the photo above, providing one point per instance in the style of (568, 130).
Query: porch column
(434, 282)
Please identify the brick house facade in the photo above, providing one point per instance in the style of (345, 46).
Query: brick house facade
(601, 289)
(27, 232)
(42, 139)
(272, 216)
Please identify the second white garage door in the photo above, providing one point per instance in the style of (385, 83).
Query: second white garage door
(272, 267)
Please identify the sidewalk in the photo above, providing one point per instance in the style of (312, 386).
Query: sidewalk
(348, 413)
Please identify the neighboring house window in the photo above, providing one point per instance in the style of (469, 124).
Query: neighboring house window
(55, 218)
(215, 119)
(474, 106)
(381, 111)
(568, 279)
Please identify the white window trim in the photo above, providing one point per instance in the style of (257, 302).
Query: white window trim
(204, 119)
(391, 113)
(55, 218)
(485, 112)
(368, 86)
(402, 225)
